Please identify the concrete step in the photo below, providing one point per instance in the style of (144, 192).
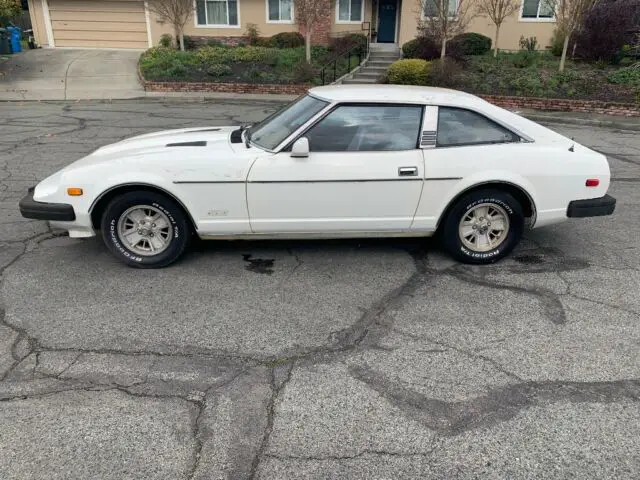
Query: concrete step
(384, 47)
(383, 57)
(378, 64)
(355, 81)
(374, 68)
(367, 74)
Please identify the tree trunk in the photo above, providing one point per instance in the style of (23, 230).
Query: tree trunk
(443, 50)
(182, 46)
(563, 58)
(573, 51)
(307, 42)
(495, 46)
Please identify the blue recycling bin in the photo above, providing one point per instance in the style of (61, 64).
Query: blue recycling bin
(15, 37)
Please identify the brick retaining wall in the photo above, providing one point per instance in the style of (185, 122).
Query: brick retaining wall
(287, 89)
(548, 104)
(559, 105)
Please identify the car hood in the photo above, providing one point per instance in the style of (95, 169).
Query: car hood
(211, 137)
(194, 140)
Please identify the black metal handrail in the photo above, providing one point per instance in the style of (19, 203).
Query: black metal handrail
(355, 51)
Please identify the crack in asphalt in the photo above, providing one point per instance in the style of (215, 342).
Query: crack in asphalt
(498, 405)
(278, 381)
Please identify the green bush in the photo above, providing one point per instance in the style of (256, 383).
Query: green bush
(411, 71)
(209, 55)
(161, 62)
(626, 76)
(556, 43)
(355, 42)
(527, 84)
(303, 73)
(287, 40)
(166, 40)
(218, 70)
(214, 42)
(469, 44)
(252, 33)
(424, 48)
(529, 44)
(190, 43)
(524, 59)
(444, 72)
(410, 48)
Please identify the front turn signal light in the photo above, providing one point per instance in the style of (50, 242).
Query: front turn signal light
(74, 192)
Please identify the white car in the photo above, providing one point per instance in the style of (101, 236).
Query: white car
(341, 161)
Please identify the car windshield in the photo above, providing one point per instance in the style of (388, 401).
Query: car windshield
(271, 132)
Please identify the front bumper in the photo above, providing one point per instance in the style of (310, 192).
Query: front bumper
(59, 212)
(593, 207)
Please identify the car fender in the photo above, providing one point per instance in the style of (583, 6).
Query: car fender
(146, 179)
(439, 194)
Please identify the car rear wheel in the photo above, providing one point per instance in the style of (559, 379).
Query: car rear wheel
(483, 226)
(145, 229)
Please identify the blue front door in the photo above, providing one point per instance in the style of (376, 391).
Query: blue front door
(387, 21)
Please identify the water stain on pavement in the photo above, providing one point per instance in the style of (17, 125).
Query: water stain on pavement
(258, 265)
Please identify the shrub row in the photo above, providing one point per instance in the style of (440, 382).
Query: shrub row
(427, 48)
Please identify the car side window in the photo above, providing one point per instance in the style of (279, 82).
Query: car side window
(366, 128)
(458, 127)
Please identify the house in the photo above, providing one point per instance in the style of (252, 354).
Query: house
(130, 24)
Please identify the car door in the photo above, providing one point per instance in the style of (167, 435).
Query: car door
(364, 173)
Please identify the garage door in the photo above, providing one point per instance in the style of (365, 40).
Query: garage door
(98, 23)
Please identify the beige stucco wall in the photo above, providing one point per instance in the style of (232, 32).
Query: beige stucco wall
(253, 11)
(37, 22)
(250, 11)
(510, 31)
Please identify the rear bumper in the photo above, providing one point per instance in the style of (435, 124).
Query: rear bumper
(60, 212)
(593, 207)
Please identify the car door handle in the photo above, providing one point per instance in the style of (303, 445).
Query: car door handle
(407, 171)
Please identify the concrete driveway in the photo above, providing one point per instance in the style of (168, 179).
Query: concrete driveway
(61, 74)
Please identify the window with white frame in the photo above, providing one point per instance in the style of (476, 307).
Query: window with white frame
(217, 12)
(537, 9)
(350, 10)
(431, 7)
(280, 10)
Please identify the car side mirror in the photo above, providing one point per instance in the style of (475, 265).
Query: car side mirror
(300, 148)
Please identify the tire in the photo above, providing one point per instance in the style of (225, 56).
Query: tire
(132, 214)
(469, 239)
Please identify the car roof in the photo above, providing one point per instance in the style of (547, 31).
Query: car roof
(396, 94)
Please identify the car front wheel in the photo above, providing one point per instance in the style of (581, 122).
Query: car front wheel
(145, 229)
(483, 226)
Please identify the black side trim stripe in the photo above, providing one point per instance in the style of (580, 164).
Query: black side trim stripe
(199, 143)
(319, 181)
(206, 181)
(340, 181)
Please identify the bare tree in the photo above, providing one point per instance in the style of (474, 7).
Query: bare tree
(497, 11)
(308, 14)
(570, 16)
(444, 19)
(174, 12)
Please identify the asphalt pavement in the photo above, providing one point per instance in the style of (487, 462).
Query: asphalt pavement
(372, 359)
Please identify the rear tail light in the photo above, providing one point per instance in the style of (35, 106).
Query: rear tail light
(592, 182)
